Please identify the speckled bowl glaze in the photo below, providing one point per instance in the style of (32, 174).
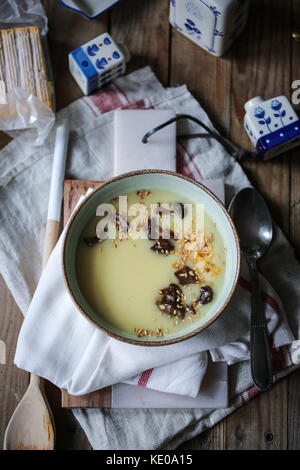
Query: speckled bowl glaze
(150, 179)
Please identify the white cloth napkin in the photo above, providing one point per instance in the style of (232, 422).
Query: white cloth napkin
(62, 346)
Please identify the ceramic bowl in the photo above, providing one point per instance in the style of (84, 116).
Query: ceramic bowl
(150, 179)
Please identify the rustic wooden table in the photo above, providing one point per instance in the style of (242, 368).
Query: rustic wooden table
(262, 62)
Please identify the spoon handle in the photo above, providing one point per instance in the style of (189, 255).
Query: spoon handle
(261, 363)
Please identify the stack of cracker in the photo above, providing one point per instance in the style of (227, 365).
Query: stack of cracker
(22, 62)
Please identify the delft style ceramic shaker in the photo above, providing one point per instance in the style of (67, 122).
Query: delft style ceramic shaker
(97, 63)
(272, 125)
(212, 24)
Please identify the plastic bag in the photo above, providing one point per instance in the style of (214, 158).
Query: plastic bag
(21, 109)
(14, 13)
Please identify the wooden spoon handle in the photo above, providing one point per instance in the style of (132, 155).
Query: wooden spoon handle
(56, 190)
(51, 237)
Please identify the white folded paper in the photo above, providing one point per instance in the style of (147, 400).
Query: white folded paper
(130, 153)
(213, 393)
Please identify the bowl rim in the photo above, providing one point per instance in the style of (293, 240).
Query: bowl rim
(165, 342)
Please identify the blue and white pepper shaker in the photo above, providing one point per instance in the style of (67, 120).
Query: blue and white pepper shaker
(272, 125)
(97, 63)
(212, 24)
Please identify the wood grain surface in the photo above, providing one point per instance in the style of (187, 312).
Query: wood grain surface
(264, 61)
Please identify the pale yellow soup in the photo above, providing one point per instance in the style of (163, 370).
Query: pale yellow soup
(121, 280)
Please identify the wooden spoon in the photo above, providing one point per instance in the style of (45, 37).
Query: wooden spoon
(31, 426)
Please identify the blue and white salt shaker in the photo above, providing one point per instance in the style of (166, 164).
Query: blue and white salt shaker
(212, 24)
(272, 125)
(97, 63)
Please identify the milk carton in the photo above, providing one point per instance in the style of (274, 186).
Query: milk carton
(211, 24)
(97, 63)
(272, 125)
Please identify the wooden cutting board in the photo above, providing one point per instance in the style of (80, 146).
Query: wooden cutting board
(73, 189)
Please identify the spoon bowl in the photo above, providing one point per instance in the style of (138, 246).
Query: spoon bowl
(253, 222)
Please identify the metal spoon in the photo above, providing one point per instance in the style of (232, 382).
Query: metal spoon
(253, 222)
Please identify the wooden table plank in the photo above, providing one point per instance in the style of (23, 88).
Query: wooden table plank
(67, 31)
(294, 379)
(261, 423)
(13, 381)
(207, 77)
(261, 66)
(145, 31)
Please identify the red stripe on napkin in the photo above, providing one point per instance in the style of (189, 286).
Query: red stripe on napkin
(182, 167)
(139, 104)
(150, 103)
(89, 106)
(191, 160)
(252, 391)
(145, 376)
(279, 363)
(243, 398)
(266, 298)
(121, 91)
(106, 100)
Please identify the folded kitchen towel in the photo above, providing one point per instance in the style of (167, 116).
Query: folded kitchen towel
(62, 346)
(25, 178)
